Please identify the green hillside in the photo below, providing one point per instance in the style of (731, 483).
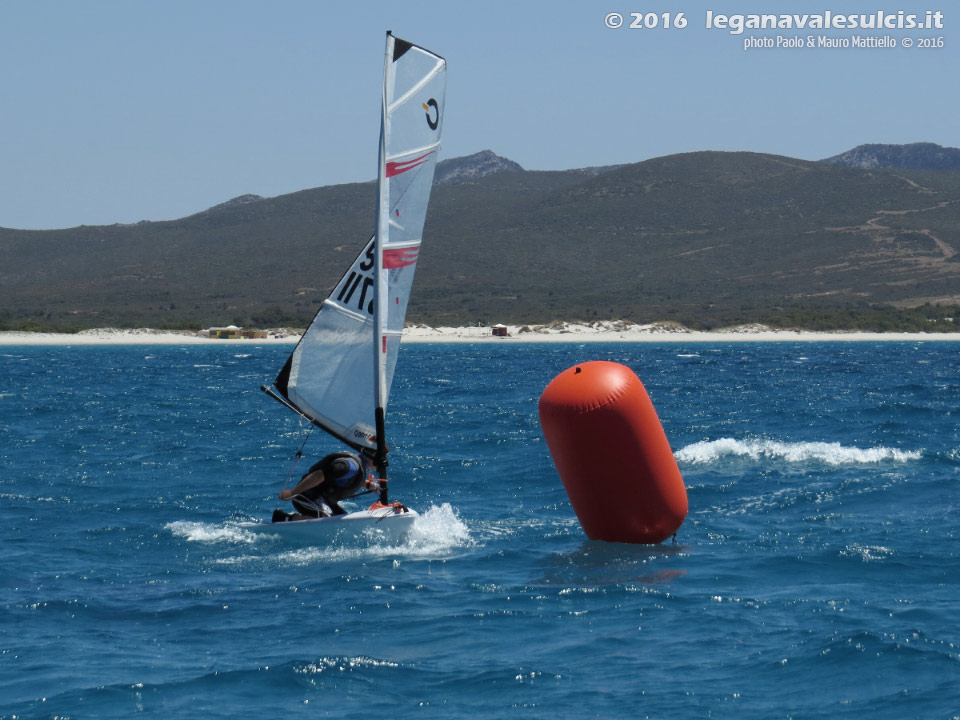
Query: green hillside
(703, 238)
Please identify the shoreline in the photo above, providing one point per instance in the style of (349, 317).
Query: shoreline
(599, 332)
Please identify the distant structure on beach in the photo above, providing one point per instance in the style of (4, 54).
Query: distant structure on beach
(232, 332)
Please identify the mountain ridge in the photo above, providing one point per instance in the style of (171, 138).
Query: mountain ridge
(473, 167)
(704, 238)
(912, 156)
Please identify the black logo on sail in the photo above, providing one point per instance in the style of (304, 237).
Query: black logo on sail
(432, 121)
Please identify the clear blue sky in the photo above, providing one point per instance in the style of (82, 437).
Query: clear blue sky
(127, 110)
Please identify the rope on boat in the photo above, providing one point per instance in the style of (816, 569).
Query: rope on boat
(297, 455)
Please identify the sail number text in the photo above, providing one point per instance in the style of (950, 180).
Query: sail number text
(357, 288)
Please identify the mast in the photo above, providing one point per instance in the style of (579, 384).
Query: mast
(379, 291)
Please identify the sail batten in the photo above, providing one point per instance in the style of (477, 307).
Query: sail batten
(413, 151)
(342, 369)
(415, 89)
(359, 317)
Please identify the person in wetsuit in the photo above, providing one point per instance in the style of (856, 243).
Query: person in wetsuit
(336, 477)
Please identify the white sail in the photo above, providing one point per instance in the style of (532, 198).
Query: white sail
(342, 369)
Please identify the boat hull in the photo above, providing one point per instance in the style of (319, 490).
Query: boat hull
(381, 525)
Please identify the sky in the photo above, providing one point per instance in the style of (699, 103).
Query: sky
(117, 111)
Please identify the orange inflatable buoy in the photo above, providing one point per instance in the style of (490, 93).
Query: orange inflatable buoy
(612, 454)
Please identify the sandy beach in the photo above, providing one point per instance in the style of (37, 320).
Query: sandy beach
(601, 331)
(619, 331)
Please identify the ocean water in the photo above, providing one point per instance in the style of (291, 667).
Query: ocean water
(817, 574)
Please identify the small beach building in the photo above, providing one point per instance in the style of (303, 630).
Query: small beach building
(230, 332)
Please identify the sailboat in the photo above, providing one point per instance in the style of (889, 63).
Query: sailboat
(339, 375)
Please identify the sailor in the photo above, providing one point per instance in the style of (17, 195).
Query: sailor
(336, 477)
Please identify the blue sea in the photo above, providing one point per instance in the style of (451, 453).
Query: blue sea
(817, 574)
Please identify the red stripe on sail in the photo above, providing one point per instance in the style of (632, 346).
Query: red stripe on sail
(400, 257)
(395, 168)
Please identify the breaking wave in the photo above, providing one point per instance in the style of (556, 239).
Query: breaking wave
(711, 451)
(435, 533)
(210, 532)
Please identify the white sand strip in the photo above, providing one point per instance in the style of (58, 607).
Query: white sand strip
(604, 331)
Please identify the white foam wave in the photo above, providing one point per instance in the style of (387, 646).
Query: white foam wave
(710, 451)
(867, 553)
(341, 664)
(210, 532)
(438, 529)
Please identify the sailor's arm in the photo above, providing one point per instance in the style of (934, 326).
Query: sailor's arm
(310, 481)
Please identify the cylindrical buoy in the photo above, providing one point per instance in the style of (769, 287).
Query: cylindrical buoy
(612, 454)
